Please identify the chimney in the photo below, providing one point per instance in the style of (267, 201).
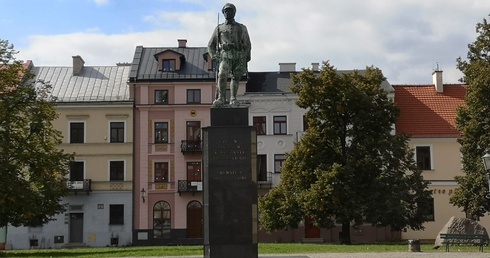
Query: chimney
(29, 64)
(182, 42)
(315, 66)
(77, 65)
(287, 67)
(437, 80)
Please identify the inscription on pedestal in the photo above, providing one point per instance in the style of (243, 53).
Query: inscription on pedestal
(230, 191)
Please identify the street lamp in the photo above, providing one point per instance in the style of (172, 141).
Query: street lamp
(486, 163)
(143, 194)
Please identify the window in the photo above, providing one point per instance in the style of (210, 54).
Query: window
(193, 130)
(194, 171)
(430, 216)
(168, 65)
(278, 160)
(161, 132)
(280, 125)
(212, 63)
(305, 123)
(260, 123)
(36, 129)
(161, 97)
(193, 96)
(116, 170)
(77, 132)
(161, 220)
(76, 171)
(116, 214)
(262, 168)
(117, 132)
(161, 171)
(423, 157)
(193, 136)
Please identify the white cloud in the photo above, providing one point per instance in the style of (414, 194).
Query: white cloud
(403, 38)
(101, 2)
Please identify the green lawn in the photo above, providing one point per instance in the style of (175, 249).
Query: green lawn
(198, 250)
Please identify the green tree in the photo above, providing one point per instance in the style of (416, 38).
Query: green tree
(348, 168)
(32, 168)
(473, 121)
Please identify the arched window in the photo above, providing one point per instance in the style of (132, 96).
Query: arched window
(194, 205)
(161, 220)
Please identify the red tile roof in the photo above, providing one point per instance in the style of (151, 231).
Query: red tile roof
(425, 113)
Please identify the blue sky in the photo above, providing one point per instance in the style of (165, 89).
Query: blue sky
(404, 38)
(52, 17)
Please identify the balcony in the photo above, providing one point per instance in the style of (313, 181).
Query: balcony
(265, 180)
(187, 146)
(80, 185)
(189, 186)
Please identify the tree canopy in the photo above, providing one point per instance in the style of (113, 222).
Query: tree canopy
(349, 168)
(473, 121)
(32, 168)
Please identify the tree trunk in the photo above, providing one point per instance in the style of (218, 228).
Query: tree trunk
(345, 240)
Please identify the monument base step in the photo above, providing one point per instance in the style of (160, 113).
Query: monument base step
(313, 240)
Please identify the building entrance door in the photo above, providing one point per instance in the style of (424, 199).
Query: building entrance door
(194, 220)
(311, 231)
(76, 227)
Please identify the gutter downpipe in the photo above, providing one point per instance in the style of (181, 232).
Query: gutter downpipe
(133, 192)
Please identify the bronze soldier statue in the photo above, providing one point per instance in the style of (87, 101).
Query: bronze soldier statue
(230, 46)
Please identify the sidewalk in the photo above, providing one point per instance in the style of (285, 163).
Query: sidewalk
(363, 255)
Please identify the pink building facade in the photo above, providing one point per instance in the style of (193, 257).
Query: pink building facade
(173, 90)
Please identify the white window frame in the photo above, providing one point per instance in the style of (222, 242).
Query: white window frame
(109, 169)
(266, 120)
(109, 130)
(282, 163)
(287, 123)
(84, 169)
(431, 148)
(84, 131)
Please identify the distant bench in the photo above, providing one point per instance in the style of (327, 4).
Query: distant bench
(476, 239)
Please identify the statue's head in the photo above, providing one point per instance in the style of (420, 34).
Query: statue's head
(229, 11)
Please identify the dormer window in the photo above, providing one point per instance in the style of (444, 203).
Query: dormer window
(168, 65)
(170, 61)
(212, 64)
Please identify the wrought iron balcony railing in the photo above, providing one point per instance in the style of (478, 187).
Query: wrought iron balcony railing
(80, 185)
(189, 186)
(191, 146)
(265, 180)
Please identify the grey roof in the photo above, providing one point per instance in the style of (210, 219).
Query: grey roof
(94, 83)
(145, 66)
(281, 82)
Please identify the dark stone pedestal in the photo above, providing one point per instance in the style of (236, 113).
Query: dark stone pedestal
(230, 185)
(229, 116)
